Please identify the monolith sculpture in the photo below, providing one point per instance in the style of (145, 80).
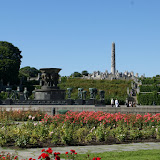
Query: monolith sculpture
(113, 64)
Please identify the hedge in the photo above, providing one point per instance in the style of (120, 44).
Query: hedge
(149, 98)
(149, 88)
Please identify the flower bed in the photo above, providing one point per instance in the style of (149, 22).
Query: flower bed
(20, 115)
(48, 154)
(83, 128)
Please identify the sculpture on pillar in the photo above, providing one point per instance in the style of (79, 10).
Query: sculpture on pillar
(25, 92)
(80, 93)
(101, 93)
(84, 95)
(93, 92)
(69, 92)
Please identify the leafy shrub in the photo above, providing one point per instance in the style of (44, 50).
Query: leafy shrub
(149, 98)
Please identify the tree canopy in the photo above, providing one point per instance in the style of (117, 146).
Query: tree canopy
(29, 71)
(76, 74)
(85, 73)
(10, 60)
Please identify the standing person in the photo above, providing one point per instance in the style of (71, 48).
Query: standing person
(127, 102)
(116, 102)
(112, 102)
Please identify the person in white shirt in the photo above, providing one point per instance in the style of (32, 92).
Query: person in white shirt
(116, 103)
(112, 102)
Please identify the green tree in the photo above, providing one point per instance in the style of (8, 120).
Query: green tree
(76, 74)
(10, 60)
(28, 72)
(85, 73)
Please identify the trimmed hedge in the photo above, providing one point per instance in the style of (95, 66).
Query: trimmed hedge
(149, 98)
(154, 80)
(151, 88)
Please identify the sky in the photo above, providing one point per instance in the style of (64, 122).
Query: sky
(77, 35)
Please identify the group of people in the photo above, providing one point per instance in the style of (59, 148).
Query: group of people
(131, 104)
(128, 103)
(116, 103)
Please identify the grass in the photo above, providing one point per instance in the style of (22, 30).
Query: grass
(124, 155)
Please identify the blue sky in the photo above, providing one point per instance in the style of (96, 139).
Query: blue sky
(77, 35)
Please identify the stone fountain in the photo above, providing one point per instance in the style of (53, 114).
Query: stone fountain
(49, 90)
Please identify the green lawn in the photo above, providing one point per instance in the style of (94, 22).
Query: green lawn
(125, 155)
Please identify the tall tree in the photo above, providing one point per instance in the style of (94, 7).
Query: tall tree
(10, 60)
(29, 71)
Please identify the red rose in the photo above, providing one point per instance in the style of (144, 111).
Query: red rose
(56, 153)
(43, 155)
(72, 150)
(57, 158)
(49, 150)
(66, 153)
(42, 150)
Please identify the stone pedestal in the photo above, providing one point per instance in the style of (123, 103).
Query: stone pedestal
(100, 103)
(69, 101)
(80, 101)
(49, 94)
(21, 96)
(8, 101)
(91, 102)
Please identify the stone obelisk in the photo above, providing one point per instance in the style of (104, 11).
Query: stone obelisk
(113, 64)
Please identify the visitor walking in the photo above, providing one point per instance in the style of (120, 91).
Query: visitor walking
(116, 103)
(112, 102)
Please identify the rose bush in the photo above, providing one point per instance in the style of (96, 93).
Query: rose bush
(76, 128)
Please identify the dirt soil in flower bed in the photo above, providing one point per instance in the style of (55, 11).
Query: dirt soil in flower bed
(49, 144)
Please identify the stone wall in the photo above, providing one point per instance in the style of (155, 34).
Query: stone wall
(51, 109)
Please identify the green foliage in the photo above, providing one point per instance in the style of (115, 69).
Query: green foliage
(152, 86)
(3, 95)
(85, 73)
(63, 79)
(10, 60)
(151, 80)
(31, 85)
(28, 72)
(148, 98)
(113, 89)
(76, 74)
(148, 81)
(149, 88)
